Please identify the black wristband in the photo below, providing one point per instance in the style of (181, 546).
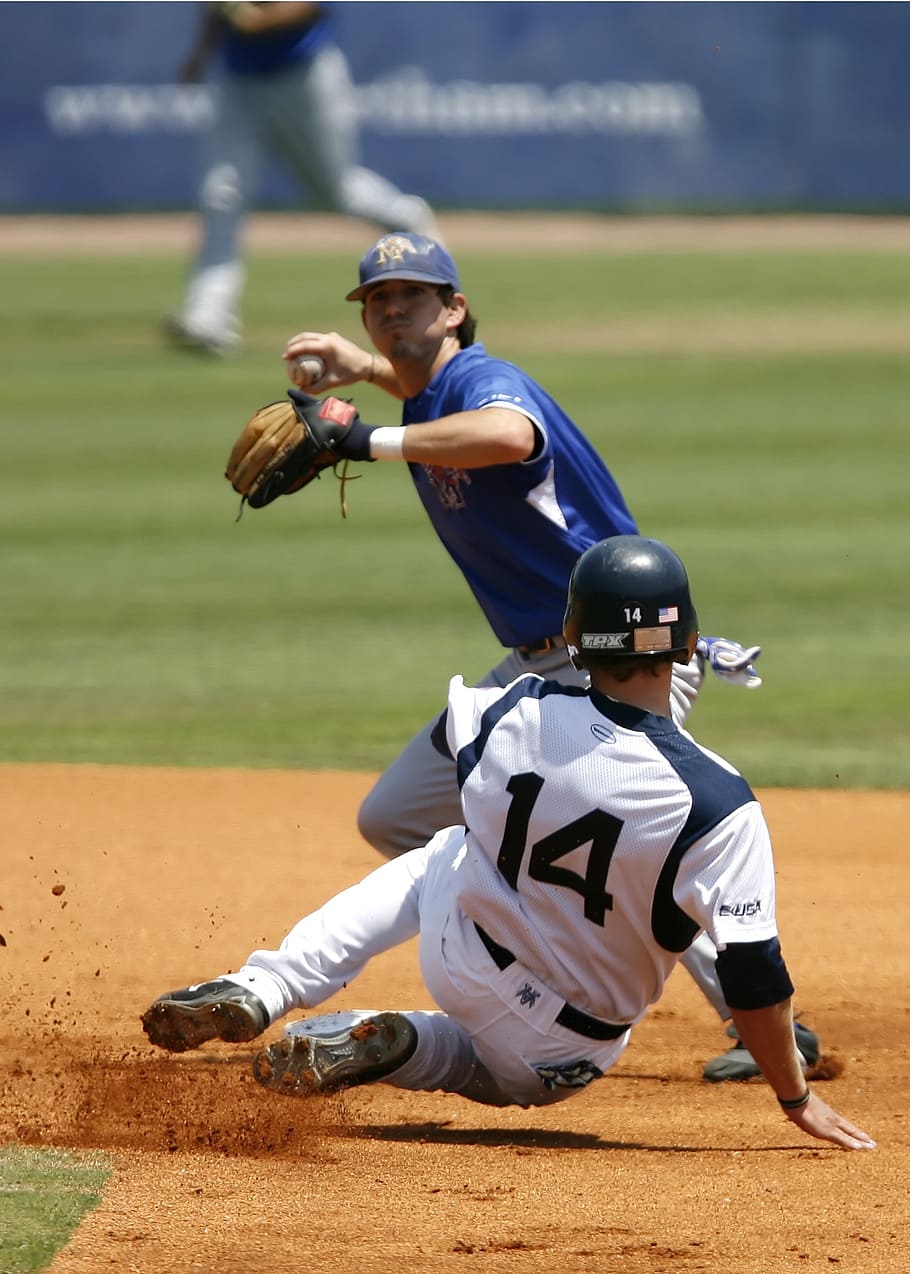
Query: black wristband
(796, 1103)
(354, 443)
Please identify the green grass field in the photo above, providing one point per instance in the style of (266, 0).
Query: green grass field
(754, 406)
(43, 1197)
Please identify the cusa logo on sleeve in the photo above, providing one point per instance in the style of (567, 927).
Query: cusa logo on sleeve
(741, 909)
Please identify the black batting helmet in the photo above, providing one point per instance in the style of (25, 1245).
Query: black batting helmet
(629, 596)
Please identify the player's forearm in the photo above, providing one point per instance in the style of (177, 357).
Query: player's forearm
(381, 373)
(768, 1035)
(470, 439)
(463, 441)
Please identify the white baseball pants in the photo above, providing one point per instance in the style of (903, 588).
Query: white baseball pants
(488, 1044)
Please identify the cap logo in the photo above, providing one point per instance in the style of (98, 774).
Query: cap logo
(392, 249)
(405, 256)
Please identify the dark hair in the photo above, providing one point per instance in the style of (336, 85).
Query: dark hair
(622, 669)
(467, 329)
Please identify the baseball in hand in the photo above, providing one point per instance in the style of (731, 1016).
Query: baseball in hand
(308, 368)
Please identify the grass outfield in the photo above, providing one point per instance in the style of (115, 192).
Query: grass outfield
(43, 1197)
(753, 406)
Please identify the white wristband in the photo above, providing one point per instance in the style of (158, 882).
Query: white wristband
(387, 442)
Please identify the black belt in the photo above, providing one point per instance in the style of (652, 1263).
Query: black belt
(572, 1019)
(541, 647)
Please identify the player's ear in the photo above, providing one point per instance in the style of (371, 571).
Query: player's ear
(458, 307)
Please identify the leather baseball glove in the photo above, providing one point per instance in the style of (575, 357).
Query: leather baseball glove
(288, 444)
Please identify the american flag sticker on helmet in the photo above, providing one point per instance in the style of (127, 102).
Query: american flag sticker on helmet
(668, 615)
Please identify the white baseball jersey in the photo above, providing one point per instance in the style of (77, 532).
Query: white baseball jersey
(601, 839)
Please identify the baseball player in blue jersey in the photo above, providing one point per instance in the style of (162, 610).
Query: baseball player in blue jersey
(597, 840)
(284, 93)
(515, 492)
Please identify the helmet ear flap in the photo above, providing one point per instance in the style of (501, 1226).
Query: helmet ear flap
(690, 649)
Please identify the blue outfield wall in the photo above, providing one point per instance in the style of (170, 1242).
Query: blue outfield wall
(621, 107)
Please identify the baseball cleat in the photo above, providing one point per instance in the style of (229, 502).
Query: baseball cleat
(325, 1059)
(219, 1010)
(191, 335)
(739, 1064)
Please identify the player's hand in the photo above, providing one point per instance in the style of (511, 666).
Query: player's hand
(819, 1120)
(731, 662)
(345, 362)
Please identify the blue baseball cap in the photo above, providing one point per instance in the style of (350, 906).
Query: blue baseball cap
(405, 256)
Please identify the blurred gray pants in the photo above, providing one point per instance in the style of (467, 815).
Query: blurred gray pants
(304, 119)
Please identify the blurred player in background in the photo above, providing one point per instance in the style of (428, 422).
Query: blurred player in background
(286, 94)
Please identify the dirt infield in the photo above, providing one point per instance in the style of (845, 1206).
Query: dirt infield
(502, 232)
(119, 884)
